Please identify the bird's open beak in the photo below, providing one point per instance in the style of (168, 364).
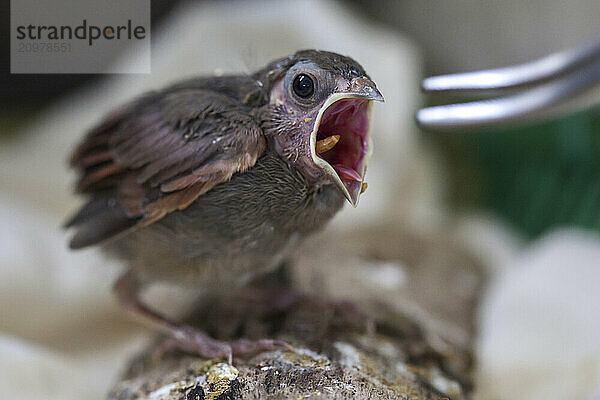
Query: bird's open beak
(340, 141)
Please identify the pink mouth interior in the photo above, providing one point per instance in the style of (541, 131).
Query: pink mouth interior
(349, 119)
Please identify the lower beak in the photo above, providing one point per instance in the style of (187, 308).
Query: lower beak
(349, 178)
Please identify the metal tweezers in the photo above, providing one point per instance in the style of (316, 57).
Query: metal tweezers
(549, 87)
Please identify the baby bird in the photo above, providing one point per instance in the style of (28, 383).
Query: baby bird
(215, 180)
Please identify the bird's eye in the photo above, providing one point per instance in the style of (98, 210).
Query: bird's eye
(303, 86)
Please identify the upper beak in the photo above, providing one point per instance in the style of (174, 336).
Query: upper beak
(365, 88)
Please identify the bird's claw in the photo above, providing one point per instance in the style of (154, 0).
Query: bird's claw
(190, 340)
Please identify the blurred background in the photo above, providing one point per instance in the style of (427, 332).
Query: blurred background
(523, 201)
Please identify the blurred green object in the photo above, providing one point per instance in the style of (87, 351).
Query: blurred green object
(537, 177)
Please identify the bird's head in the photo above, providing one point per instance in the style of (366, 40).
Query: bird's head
(319, 117)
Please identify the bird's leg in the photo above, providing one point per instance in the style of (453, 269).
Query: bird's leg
(183, 337)
(275, 293)
(271, 298)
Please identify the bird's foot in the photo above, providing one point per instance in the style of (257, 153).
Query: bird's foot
(193, 341)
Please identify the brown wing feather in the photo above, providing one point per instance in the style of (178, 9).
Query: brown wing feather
(157, 155)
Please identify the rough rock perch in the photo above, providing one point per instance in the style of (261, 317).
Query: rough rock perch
(346, 361)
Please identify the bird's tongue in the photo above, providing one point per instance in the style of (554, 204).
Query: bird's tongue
(346, 174)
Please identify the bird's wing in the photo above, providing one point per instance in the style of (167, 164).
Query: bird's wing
(157, 155)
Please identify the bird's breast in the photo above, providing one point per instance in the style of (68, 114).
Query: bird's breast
(239, 229)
